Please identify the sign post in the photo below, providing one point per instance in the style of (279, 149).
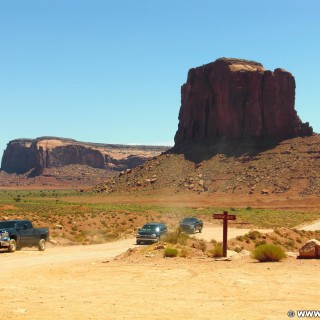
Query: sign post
(225, 217)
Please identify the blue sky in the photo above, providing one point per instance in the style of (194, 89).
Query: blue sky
(110, 71)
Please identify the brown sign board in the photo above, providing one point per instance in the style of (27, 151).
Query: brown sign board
(224, 216)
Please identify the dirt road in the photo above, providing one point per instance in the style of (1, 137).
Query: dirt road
(57, 255)
(80, 283)
(61, 255)
(311, 227)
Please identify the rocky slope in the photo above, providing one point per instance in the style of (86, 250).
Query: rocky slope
(236, 98)
(34, 155)
(289, 167)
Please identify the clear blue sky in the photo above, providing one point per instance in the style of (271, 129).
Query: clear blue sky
(110, 71)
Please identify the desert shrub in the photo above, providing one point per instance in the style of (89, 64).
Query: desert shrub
(237, 249)
(183, 239)
(277, 242)
(170, 252)
(17, 199)
(290, 244)
(277, 231)
(103, 223)
(240, 238)
(202, 245)
(176, 237)
(259, 243)
(184, 253)
(218, 251)
(268, 252)
(254, 234)
(214, 242)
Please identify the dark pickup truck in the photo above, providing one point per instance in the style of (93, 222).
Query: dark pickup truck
(151, 232)
(191, 225)
(15, 234)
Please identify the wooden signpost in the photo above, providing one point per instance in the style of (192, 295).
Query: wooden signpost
(225, 217)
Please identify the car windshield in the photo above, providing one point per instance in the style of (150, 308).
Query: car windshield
(151, 227)
(7, 224)
(189, 220)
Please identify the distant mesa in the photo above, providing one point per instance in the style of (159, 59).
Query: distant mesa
(238, 99)
(34, 155)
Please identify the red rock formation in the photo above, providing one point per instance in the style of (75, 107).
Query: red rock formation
(233, 98)
(22, 152)
(23, 155)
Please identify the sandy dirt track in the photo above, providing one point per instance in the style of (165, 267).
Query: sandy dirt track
(55, 255)
(312, 227)
(83, 282)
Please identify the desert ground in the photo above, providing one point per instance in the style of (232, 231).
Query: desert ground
(104, 281)
(94, 282)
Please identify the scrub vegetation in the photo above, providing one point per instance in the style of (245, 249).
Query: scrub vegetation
(89, 218)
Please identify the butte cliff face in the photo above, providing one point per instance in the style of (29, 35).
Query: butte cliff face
(23, 155)
(238, 99)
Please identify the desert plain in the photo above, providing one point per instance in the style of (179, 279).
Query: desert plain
(120, 280)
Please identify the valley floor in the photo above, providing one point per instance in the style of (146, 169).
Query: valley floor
(85, 282)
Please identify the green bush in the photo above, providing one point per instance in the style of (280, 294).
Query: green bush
(170, 252)
(268, 252)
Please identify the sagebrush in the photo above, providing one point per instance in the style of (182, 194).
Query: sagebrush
(268, 252)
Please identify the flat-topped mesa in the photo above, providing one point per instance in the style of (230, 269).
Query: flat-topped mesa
(23, 155)
(238, 99)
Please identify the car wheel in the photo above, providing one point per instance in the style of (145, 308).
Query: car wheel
(138, 242)
(200, 230)
(42, 245)
(12, 245)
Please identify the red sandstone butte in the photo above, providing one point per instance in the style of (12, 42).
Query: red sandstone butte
(23, 155)
(235, 98)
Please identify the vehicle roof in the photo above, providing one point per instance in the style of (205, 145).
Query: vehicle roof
(14, 220)
(154, 223)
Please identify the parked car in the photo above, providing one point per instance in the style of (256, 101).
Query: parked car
(15, 234)
(151, 232)
(191, 225)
